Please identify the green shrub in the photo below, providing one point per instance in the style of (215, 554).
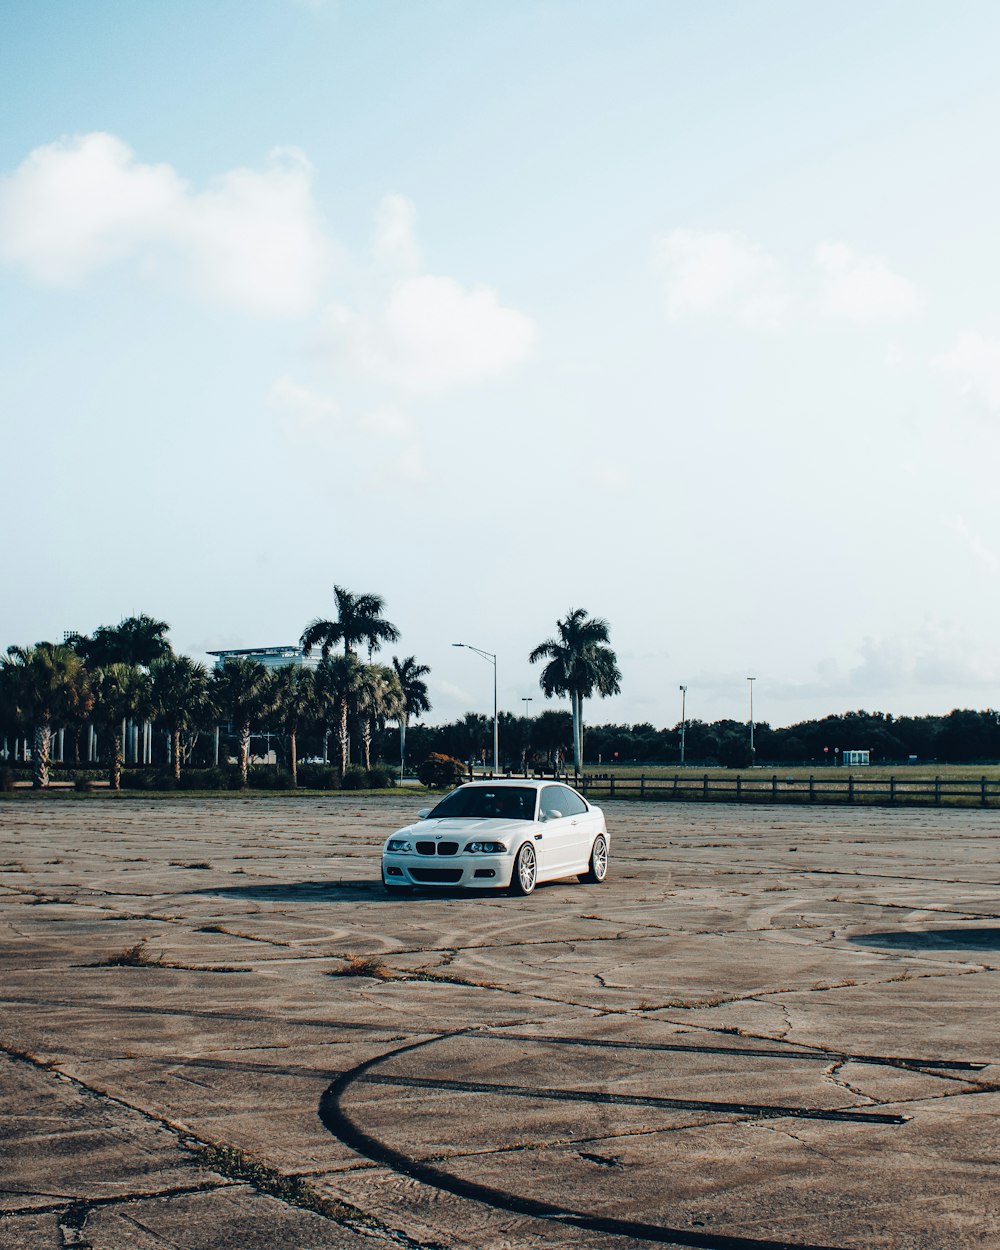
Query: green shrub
(216, 778)
(441, 772)
(355, 777)
(318, 777)
(379, 778)
(269, 777)
(6, 779)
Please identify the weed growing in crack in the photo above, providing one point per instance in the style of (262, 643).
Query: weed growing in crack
(363, 966)
(136, 956)
(176, 863)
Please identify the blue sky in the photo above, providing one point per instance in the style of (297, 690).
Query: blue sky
(686, 314)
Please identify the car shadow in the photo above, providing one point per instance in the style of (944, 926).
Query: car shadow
(932, 939)
(350, 891)
(300, 891)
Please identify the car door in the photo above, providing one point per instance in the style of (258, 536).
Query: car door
(560, 811)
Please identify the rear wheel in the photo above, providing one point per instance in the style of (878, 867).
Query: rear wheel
(598, 869)
(525, 872)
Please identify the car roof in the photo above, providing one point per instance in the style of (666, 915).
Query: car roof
(520, 782)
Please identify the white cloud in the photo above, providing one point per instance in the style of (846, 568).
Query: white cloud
(903, 667)
(975, 361)
(975, 542)
(432, 334)
(863, 288)
(251, 239)
(395, 245)
(387, 422)
(304, 411)
(717, 272)
(612, 477)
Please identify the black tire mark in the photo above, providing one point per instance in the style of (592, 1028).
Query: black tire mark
(752, 1110)
(337, 1121)
(818, 1056)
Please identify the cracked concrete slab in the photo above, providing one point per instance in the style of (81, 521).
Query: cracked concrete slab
(769, 1028)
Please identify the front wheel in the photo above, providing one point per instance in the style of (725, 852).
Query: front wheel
(598, 869)
(525, 872)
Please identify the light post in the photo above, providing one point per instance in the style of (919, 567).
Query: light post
(526, 700)
(751, 681)
(488, 655)
(683, 690)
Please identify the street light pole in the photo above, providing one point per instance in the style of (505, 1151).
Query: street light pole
(526, 700)
(489, 655)
(683, 690)
(751, 681)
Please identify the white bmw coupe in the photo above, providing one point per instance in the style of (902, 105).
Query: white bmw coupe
(490, 834)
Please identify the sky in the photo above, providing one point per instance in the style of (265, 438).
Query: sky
(685, 314)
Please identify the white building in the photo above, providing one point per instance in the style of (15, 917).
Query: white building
(270, 657)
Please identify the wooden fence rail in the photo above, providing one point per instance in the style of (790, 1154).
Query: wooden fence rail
(899, 791)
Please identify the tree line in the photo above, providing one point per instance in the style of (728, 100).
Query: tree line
(545, 741)
(128, 673)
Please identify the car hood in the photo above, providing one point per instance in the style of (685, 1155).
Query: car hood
(464, 826)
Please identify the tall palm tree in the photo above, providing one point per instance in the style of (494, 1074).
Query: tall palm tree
(295, 688)
(359, 620)
(244, 691)
(44, 684)
(579, 663)
(415, 700)
(135, 640)
(338, 678)
(121, 692)
(180, 698)
(379, 698)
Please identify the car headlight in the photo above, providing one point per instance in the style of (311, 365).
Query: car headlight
(487, 848)
(398, 845)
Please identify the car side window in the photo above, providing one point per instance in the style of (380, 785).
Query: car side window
(561, 801)
(570, 804)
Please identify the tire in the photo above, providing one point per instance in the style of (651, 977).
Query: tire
(598, 869)
(525, 874)
(392, 888)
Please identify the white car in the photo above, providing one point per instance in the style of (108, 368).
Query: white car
(490, 834)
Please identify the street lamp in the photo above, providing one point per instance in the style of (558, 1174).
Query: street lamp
(488, 655)
(526, 700)
(751, 681)
(683, 690)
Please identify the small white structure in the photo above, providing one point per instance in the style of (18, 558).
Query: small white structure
(855, 759)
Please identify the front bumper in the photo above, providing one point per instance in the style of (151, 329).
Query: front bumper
(480, 872)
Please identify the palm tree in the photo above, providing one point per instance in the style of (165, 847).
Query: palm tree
(135, 640)
(338, 678)
(43, 684)
(415, 700)
(244, 691)
(121, 692)
(359, 620)
(379, 698)
(295, 688)
(180, 698)
(580, 662)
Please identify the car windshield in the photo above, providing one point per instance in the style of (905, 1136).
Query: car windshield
(486, 803)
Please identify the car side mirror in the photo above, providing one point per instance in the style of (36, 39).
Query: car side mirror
(423, 813)
(551, 814)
